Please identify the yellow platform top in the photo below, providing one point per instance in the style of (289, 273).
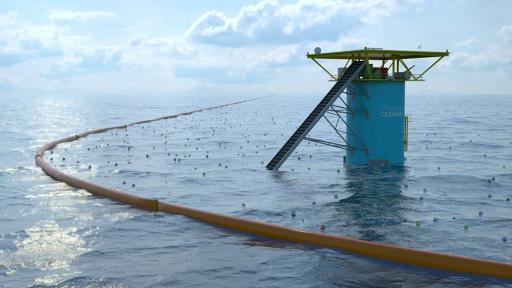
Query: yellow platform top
(378, 54)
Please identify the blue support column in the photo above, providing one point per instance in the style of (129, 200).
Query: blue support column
(376, 123)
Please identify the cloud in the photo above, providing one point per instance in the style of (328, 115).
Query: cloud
(164, 46)
(8, 18)
(259, 48)
(100, 58)
(87, 60)
(21, 42)
(269, 22)
(278, 56)
(493, 56)
(66, 15)
(10, 58)
(52, 51)
(506, 31)
(465, 42)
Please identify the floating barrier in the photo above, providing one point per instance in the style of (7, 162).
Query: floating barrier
(390, 252)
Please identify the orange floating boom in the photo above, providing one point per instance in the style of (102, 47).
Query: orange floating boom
(404, 255)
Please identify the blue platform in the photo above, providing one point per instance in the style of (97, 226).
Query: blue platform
(376, 123)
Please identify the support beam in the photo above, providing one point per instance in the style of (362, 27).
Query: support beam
(326, 71)
(328, 143)
(431, 66)
(408, 69)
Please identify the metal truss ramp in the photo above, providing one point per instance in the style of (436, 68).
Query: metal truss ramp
(325, 105)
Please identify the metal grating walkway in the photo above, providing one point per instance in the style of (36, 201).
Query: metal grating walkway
(352, 72)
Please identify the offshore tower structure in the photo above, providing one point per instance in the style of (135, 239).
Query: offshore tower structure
(369, 117)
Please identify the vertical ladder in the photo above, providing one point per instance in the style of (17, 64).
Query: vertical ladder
(352, 73)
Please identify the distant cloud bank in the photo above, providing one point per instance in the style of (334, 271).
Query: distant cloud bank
(253, 49)
(63, 15)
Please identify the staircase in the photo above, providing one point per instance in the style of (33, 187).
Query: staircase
(352, 72)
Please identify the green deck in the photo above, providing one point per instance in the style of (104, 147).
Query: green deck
(378, 54)
(392, 60)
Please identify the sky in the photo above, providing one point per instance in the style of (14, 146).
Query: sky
(250, 48)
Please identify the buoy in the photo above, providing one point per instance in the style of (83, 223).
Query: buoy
(493, 179)
(204, 174)
(480, 213)
(293, 214)
(89, 167)
(322, 228)
(504, 239)
(243, 205)
(421, 197)
(147, 155)
(314, 203)
(418, 223)
(124, 182)
(424, 190)
(466, 227)
(435, 219)
(133, 185)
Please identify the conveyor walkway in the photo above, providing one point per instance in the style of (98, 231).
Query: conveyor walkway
(352, 72)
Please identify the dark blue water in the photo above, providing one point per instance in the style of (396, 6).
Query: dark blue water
(53, 235)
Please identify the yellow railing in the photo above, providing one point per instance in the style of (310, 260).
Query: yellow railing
(406, 133)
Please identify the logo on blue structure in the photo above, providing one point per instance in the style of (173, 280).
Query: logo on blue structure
(391, 112)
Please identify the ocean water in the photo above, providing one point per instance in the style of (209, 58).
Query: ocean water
(459, 163)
